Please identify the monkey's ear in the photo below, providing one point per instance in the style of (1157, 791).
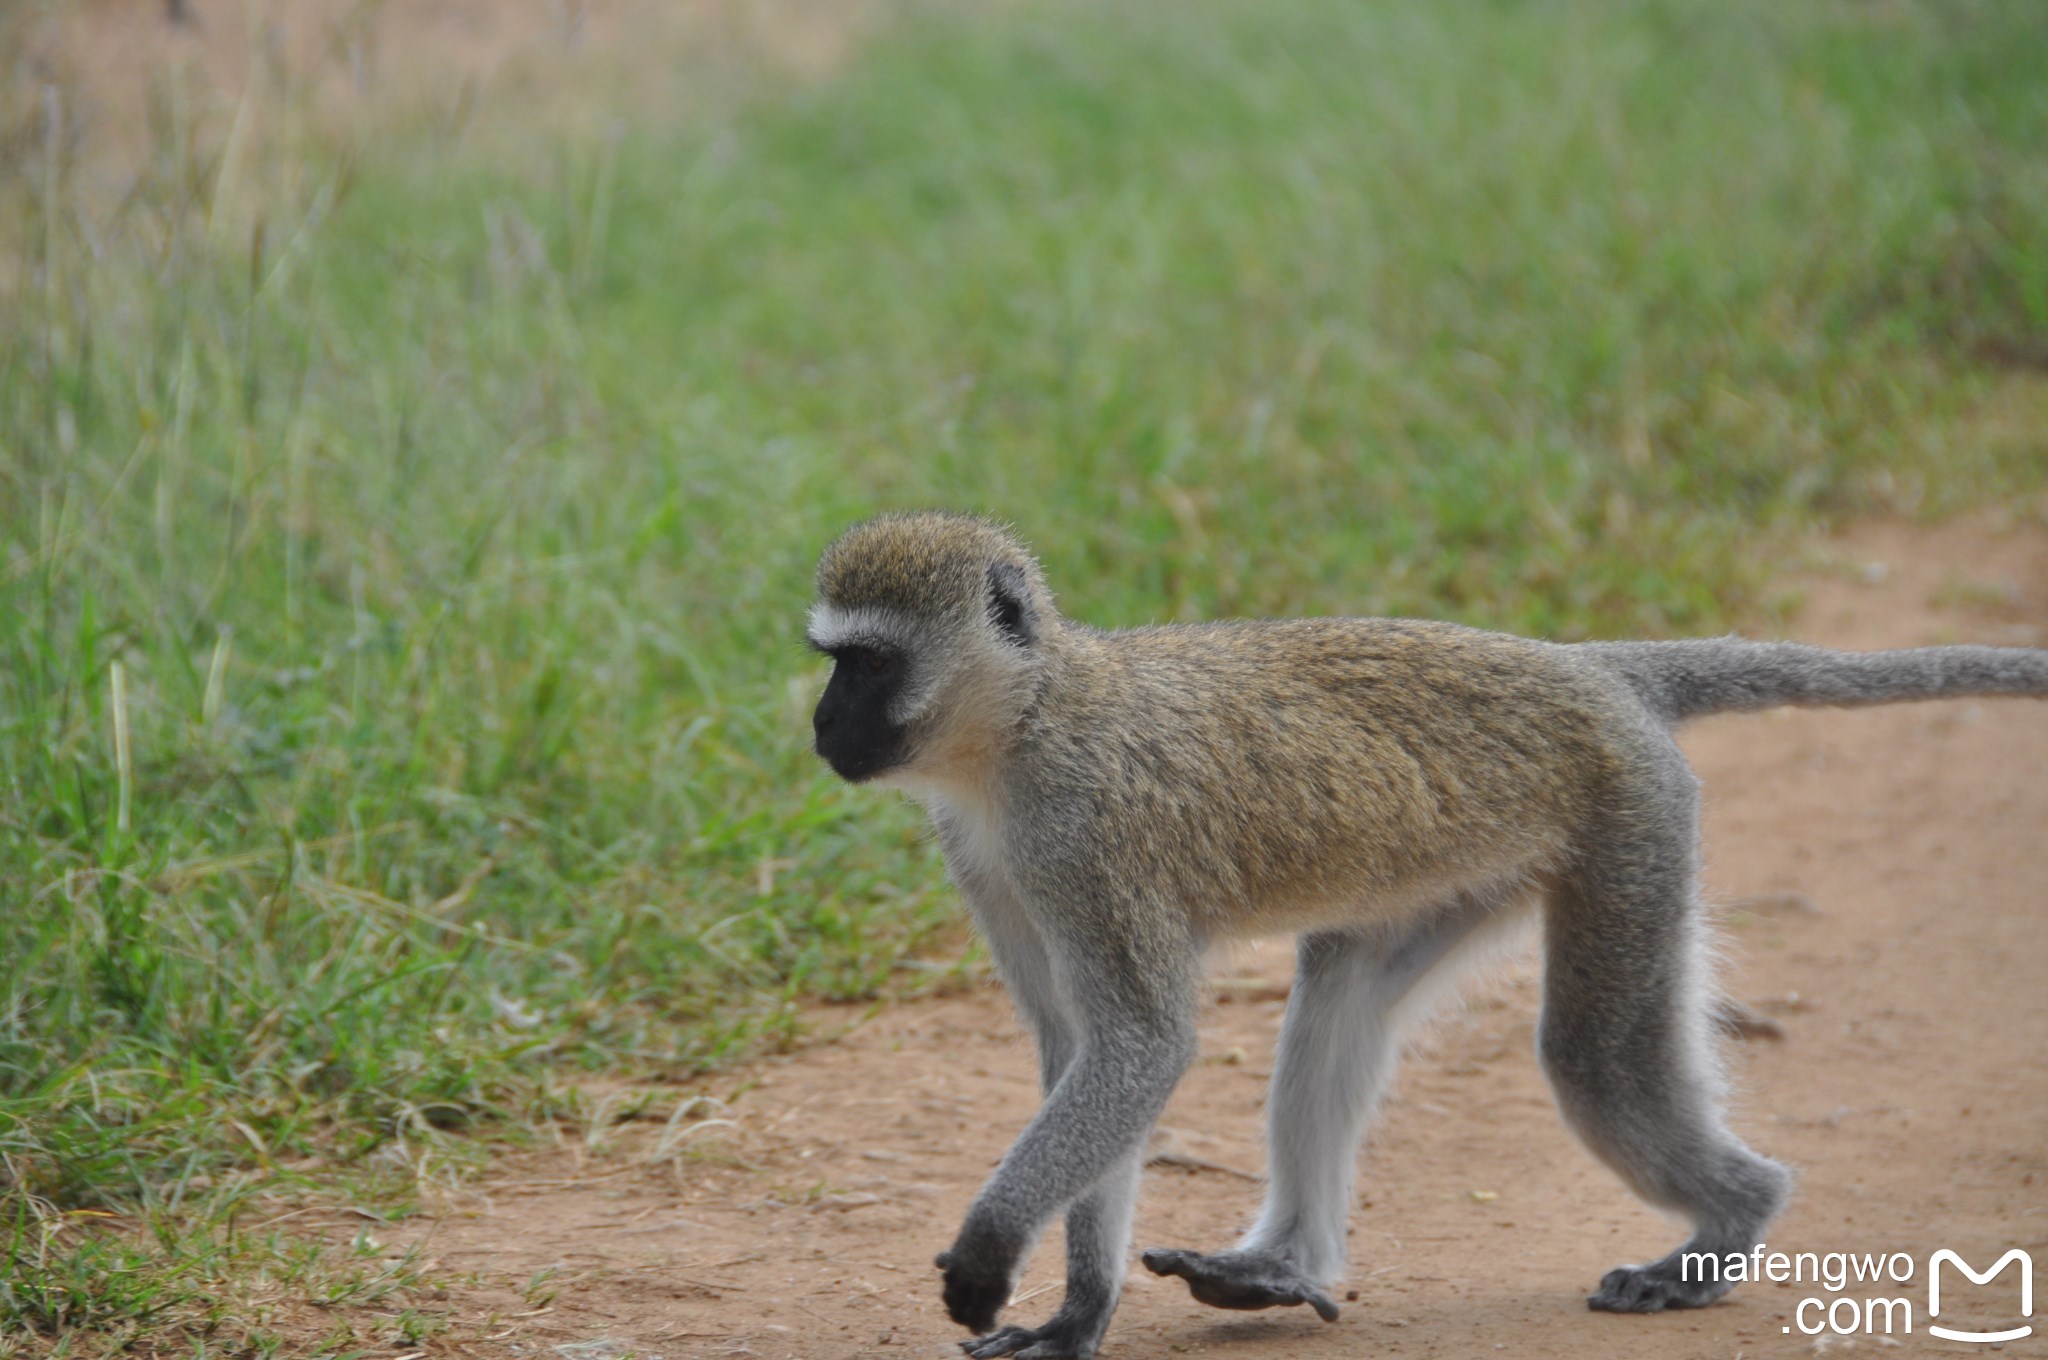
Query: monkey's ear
(1009, 603)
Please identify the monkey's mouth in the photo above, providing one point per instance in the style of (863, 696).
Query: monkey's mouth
(858, 761)
(854, 771)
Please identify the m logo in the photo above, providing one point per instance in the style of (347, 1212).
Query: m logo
(2026, 1293)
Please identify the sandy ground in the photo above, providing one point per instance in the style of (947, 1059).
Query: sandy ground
(1881, 872)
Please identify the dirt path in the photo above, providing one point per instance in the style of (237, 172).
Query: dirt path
(1895, 927)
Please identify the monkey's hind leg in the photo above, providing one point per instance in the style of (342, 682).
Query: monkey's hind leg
(1338, 1046)
(1626, 1039)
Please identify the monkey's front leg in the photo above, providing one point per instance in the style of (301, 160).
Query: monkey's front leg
(1098, 1244)
(1099, 1223)
(1138, 1037)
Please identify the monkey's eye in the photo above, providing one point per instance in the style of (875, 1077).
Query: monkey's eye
(877, 663)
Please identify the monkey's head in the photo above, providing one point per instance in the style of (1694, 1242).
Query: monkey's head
(936, 625)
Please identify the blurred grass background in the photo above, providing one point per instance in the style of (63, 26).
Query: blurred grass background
(407, 503)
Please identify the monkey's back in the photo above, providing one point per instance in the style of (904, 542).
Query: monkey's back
(1276, 775)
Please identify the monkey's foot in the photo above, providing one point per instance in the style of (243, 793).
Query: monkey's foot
(1059, 1339)
(1652, 1289)
(1241, 1279)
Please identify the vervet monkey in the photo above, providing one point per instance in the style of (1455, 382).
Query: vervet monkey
(1395, 792)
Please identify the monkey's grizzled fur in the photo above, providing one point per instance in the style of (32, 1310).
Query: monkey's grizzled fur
(1111, 802)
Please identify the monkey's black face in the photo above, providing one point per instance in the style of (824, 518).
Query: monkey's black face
(852, 727)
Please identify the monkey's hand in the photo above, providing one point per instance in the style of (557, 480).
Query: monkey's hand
(1240, 1279)
(979, 1277)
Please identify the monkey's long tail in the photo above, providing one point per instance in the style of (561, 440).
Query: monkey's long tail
(1690, 679)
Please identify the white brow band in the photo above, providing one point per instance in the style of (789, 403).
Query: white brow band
(832, 627)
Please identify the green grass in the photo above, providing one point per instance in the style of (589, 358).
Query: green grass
(405, 529)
